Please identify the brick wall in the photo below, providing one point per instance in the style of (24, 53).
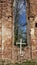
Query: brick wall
(6, 26)
(7, 49)
(33, 28)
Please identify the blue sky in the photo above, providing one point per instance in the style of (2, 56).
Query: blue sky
(21, 16)
(22, 12)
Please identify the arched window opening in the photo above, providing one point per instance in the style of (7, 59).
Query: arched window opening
(20, 22)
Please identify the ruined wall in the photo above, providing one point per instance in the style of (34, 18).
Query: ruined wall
(32, 18)
(7, 49)
(6, 27)
(33, 5)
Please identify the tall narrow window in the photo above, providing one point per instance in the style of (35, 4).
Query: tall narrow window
(20, 22)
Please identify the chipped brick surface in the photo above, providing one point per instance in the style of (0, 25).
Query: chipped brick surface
(6, 32)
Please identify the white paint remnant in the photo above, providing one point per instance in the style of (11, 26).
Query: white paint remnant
(36, 18)
(32, 34)
(32, 31)
(6, 34)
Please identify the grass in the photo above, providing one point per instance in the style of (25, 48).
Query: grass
(24, 63)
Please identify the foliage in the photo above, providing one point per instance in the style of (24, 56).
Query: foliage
(21, 63)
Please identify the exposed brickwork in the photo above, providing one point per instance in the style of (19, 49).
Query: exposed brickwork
(6, 32)
(33, 20)
(6, 28)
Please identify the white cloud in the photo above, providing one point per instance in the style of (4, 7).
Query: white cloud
(22, 7)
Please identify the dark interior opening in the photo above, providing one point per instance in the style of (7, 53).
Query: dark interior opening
(35, 24)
